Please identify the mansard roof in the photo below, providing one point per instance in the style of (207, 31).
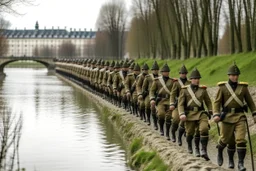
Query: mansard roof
(49, 34)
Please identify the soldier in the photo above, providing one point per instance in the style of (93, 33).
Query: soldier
(105, 79)
(118, 85)
(130, 87)
(230, 109)
(147, 83)
(160, 97)
(142, 76)
(182, 81)
(110, 81)
(131, 67)
(192, 111)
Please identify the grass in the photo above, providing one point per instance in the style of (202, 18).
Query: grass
(213, 69)
(145, 160)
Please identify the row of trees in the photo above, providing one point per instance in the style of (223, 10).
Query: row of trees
(66, 50)
(110, 39)
(191, 28)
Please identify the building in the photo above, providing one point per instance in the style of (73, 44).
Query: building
(50, 42)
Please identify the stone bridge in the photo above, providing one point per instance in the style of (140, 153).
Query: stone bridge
(48, 62)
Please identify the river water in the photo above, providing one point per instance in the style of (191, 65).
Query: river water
(62, 129)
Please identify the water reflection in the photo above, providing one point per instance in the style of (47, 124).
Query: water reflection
(62, 129)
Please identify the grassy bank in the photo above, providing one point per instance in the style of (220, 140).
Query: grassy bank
(214, 69)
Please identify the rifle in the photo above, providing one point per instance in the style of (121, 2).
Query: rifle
(250, 143)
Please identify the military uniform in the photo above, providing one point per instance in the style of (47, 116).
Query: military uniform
(147, 83)
(160, 93)
(229, 106)
(191, 104)
(141, 78)
(174, 102)
(130, 88)
(118, 85)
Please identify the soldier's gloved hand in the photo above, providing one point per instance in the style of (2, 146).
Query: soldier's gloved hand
(153, 103)
(140, 97)
(254, 118)
(216, 119)
(183, 117)
(172, 107)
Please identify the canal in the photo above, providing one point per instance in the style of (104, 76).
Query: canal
(62, 130)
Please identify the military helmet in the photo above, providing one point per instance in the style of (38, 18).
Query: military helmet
(233, 70)
(155, 66)
(117, 65)
(125, 65)
(98, 62)
(183, 70)
(165, 68)
(132, 66)
(113, 64)
(137, 67)
(93, 61)
(195, 74)
(102, 63)
(145, 67)
(107, 63)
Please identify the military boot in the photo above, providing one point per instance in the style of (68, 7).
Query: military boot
(181, 131)
(161, 125)
(231, 153)
(189, 142)
(197, 143)
(148, 116)
(155, 121)
(220, 154)
(173, 131)
(168, 126)
(241, 156)
(204, 142)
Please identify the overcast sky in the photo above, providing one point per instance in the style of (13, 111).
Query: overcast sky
(58, 13)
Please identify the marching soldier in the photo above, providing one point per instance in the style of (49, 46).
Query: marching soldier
(147, 83)
(141, 78)
(110, 83)
(160, 97)
(229, 110)
(182, 81)
(192, 111)
(130, 87)
(105, 79)
(119, 82)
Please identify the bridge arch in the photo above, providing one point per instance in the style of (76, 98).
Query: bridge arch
(47, 62)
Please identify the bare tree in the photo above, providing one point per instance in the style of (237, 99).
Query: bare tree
(10, 133)
(67, 49)
(3, 41)
(112, 20)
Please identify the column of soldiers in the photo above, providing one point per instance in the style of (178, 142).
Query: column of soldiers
(173, 105)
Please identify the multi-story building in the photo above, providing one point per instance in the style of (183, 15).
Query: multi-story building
(50, 42)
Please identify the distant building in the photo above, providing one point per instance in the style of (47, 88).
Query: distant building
(48, 42)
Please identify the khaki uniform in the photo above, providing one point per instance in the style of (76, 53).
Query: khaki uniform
(139, 90)
(119, 85)
(174, 101)
(196, 115)
(130, 87)
(232, 127)
(162, 97)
